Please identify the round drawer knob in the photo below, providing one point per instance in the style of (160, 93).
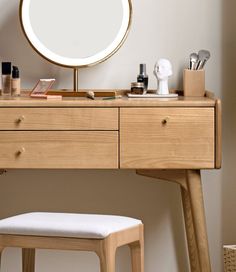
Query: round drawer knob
(21, 119)
(165, 120)
(21, 151)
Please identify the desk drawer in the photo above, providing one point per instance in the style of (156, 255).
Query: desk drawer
(167, 138)
(59, 149)
(58, 119)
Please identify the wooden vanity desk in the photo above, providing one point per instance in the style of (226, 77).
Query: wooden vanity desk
(168, 139)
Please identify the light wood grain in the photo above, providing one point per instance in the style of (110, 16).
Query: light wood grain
(43, 242)
(119, 238)
(137, 254)
(58, 119)
(179, 177)
(28, 260)
(190, 232)
(194, 82)
(174, 138)
(59, 149)
(107, 255)
(218, 132)
(199, 221)
(181, 101)
(104, 248)
(154, 134)
(64, 93)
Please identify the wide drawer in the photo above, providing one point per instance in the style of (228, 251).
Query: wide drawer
(58, 119)
(171, 138)
(59, 149)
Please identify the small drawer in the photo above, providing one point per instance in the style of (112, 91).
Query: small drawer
(59, 149)
(167, 138)
(58, 119)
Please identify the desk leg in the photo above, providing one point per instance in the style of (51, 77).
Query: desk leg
(194, 185)
(194, 215)
(190, 234)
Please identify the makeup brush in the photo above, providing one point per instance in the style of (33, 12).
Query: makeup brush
(204, 56)
(193, 61)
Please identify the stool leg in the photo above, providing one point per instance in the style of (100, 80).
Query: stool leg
(107, 256)
(28, 260)
(108, 264)
(1, 250)
(137, 256)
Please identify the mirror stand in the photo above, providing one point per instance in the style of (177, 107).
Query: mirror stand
(68, 93)
(80, 93)
(76, 79)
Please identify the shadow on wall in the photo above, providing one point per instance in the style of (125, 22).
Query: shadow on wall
(229, 121)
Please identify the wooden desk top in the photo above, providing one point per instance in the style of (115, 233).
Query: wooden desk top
(181, 101)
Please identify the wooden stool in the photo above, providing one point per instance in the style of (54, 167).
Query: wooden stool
(102, 234)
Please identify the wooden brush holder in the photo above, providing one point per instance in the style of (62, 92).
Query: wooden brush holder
(194, 82)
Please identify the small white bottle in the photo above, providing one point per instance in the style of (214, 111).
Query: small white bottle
(15, 82)
(6, 78)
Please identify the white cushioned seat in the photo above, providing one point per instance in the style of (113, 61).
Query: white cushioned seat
(92, 226)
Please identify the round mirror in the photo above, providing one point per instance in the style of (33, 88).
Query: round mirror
(76, 33)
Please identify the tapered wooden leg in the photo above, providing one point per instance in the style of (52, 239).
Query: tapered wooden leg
(194, 185)
(107, 257)
(194, 215)
(137, 256)
(190, 234)
(28, 260)
(108, 263)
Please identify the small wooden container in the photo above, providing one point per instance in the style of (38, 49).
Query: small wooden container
(194, 82)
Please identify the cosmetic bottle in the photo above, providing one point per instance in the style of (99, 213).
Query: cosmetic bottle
(143, 77)
(6, 78)
(15, 82)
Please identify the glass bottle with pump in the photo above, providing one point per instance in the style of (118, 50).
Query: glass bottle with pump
(15, 82)
(143, 77)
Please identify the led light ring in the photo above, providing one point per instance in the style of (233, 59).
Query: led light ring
(75, 62)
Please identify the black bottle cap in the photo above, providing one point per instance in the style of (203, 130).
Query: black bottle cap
(15, 72)
(142, 69)
(6, 68)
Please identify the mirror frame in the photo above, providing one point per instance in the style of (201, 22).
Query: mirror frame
(76, 62)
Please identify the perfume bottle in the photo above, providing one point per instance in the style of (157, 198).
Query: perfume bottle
(6, 78)
(143, 77)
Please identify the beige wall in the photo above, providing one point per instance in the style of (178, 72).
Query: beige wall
(170, 29)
